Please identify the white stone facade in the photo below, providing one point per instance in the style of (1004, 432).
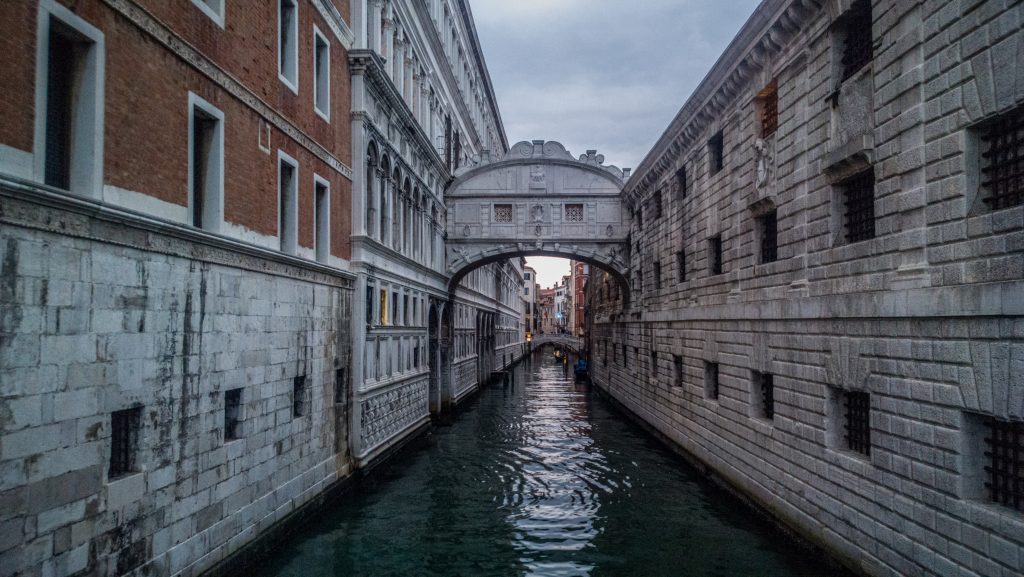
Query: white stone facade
(924, 314)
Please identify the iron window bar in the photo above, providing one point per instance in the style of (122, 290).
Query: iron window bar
(1003, 170)
(769, 237)
(768, 395)
(1005, 469)
(858, 421)
(859, 198)
(857, 40)
(712, 378)
(124, 441)
(769, 109)
(716, 255)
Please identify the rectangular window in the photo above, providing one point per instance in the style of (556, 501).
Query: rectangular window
(406, 319)
(299, 401)
(859, 204)
(769, 237)
(574, 213)
(1002, 160)
(625, 358)
(233, 414)
(503, 213)
(715, 254)
(681, 182)
(369, 304)
(322, 218)
(212, 8)
(383, 306)
(68, 143)
(857, 421)
(288, 43)
(856, 36)
(1004, 462)
(321, 75)
(206, 164)
(125, 427)
(657, 275)
(716, 153)
(654, 364)
(710, 380)
(287, 203)
(677, 362)
(767, 104)
(657, 204)
(416, 356)
(681, 264)
(339, 386)
(764, 392)
(394, 308)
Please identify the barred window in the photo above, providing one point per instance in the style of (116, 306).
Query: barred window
(715, 254)
(1003, 160)
(857, 425)
(125, 427)
(233, 414)
(716, 152)
(765, 391)
(859, 201)
(681, 258)
(657, 275)
(768, 106)
(574, 213)
(681, 182)
(857, 41)
(710, 380)
(769, 237)
(677, 361)
(299, 402)
(1004, 457)
(503, 213)
(339, 386)
(657, 203)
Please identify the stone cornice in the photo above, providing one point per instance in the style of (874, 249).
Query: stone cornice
(765, 33)
(37, 206)
(467, 17)
(370, 65)
(383, 141)
(329, 12)
(178, 46)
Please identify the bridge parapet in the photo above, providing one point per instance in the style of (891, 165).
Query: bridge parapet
(565, 341)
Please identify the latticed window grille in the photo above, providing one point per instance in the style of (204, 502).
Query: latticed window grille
(715, 254)
(503, 213)
(681, 257)
(857, 409)
(124, 441)
(299, 402)
(766, 386)
(769, 237)
(1005, 456)
(681, 182)
(716, 152)
(859, 201)
(233, 414)
(711, 380)
(574, 213)
(769, 101)
(857, 41)
(1003, 160)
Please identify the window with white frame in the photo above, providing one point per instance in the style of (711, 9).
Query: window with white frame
(68, 144)
(287, 202)
(321, 74)
(212, 8)
(322, 218)
(288, 43)
(205, 164)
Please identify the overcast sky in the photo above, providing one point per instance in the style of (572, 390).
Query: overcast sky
(599, 74)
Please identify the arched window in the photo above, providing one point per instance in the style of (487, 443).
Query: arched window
(433, 235)
(385, 199)
(372, 183)
(396, 183)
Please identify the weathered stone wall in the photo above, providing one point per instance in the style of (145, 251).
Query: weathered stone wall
(927, 317)
(104, 313)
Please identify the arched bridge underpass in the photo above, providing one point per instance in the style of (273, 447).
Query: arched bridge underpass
(538, 200)
(574, 344)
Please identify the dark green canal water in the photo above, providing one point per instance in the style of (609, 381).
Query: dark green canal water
(540, 477)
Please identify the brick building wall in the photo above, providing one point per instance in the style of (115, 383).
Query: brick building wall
(923, 315)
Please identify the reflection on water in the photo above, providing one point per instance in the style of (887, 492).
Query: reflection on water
(539, 477)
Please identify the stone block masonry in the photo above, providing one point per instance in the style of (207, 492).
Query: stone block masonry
(124, 318)
(889, 312)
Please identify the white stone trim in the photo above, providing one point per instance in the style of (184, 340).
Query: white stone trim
(323, 109)
(87, 144)
(322, 242)
(291, 83)
(216, 13)
(145, 203)
(213, 212)
(17, 162)
(289, 237)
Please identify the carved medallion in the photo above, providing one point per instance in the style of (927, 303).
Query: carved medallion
(537, 177)
(466, 230)
(537, 213)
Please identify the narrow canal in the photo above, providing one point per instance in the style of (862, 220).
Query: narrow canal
(540, 477)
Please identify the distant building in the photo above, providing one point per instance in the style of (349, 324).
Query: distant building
(530, 296)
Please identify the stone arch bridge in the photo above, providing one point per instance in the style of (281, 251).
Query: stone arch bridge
(538, 200)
